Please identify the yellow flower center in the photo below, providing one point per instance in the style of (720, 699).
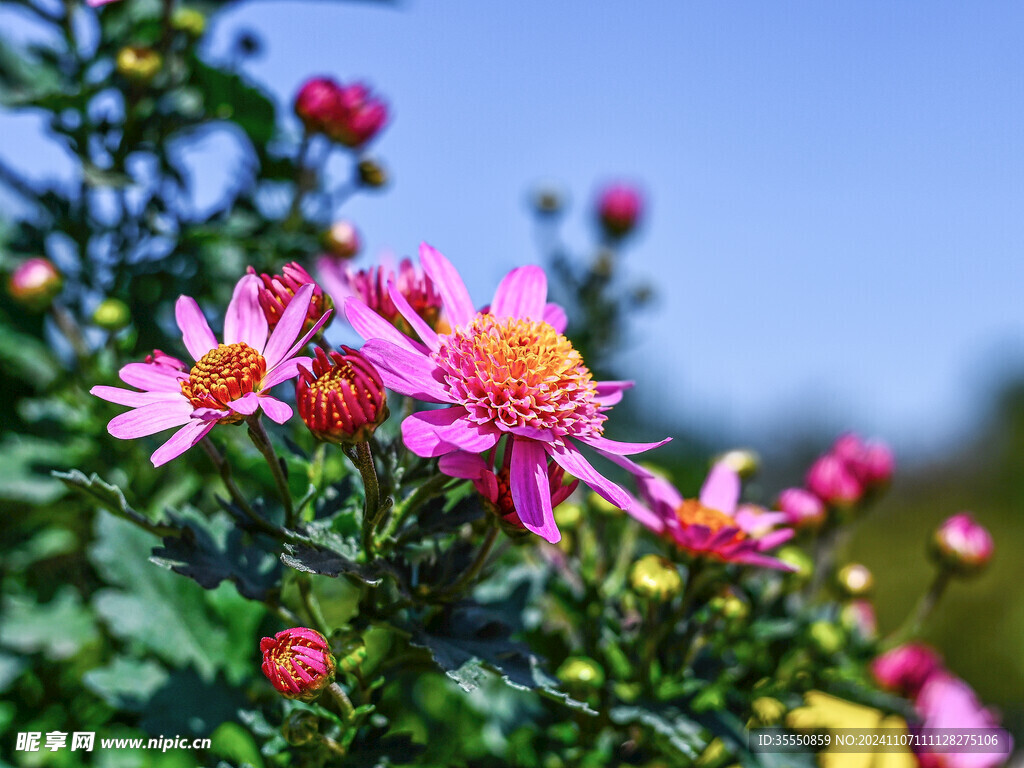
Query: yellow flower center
(223, 375)
(692, 512)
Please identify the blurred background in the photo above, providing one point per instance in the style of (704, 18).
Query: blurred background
(832, 226)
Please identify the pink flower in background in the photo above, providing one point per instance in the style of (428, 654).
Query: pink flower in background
(349, 115)
(714, 525)
(945, 701)
(276, 291)
(619, 207)
(370, 286)
(831, 480)
(870, 462)
(802, 508)
(34, 282)
(495, 486)
(316, 102)
(905, 668)
(963, 543)
(508, 373)
(228, 382)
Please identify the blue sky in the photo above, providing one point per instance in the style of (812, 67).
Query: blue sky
(835, 190)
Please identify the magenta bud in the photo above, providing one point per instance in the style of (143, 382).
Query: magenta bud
(619, 207)
(963, 544)
(342, 400)
(802, 508)
(316, 103)
(906, 668)
(831, 480)
(870, 462)
(298, 662)
(34, 283)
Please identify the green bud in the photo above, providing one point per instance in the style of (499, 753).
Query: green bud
(855, 580)
(190, 21)
(742, 461)
(372, 174)
(112, 315)
(768, 711)
(655, 578)
(827, 637)
(140, 65)
(568, 515)
(581, 672)
(799, 559)
(300, 728)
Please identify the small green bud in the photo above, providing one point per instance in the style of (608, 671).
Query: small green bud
(742, 461)
(190, 21)
(372, 174)
(827, 637)
(112, 315)
(581, 672)
(655, 578)
(855, 580)
(799, 559)
(568, 515)
(300, 728)
(768, 711)
(140, 65)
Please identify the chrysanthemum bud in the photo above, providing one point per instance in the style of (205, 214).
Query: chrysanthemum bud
(870, 462)
(548, 201)
(342, 240)
(300, 727)
(827, 637)
(905, 668)
(830, 480)
(112, 315)
(655, 578)
(372, 174)
(855, 580)
(34, 283)
(741, 461)
(359, 116)
(277, 292)
(298, 663)
(316, 103)
(568, 515)
(343, 399)
(581, 672)
(190, 21)
(618, 209)
(140, 65)
(802, 508)
(962, 544)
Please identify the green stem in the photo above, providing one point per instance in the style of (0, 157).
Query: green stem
(316, 477)
(362, 457)
(294, 217)
(312, 605)
(915, 621)
(343, 702)
(260, 438)
(415, 500)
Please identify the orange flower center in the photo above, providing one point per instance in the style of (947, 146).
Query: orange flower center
(223, 375)
(692, 512)
(520, 373)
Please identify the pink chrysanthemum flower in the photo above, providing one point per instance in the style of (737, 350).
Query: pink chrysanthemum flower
(228, 382)
(946, 702)
(298, 662)
(714, 525)
(508, 372)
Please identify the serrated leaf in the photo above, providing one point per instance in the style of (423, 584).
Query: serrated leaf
(212, 550)
(111, 498)
(325, 562)
(683, 734)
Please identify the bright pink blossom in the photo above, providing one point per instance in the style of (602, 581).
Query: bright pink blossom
(947, 702)
(618, 208)
(298, 662)
(34, 282)
(715, 525)
(802, 508)
(871, 462)
(508, 373)
(831, 480)
(228, 382)
(905, 668)
(963, 543)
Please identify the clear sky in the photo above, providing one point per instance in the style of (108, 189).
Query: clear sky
(835, 189)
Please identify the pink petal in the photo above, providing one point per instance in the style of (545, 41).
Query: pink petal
(245, 319)
(150, 419)
(627, 464)
(405, 372)
(660, 494)
(572, 461)
(531, 492)
(618, 448)
(457, 304)
(304, 340)
(286, 370)
(195, 331)
(468, 466)
(772, 540)
(335, 279)
(610, 392)
(288, 326)
(521, 294)
(435, 433)
(423, 330)
(370, 325)
(132, 398)
(152, 378)
(276, 410)
(646, 516)
(181, 441)
(721, 490)
(555, 316)
(245, 405)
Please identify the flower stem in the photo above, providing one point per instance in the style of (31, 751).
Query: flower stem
(416, 499)
(362, 457)
(915, 621)
(343, 702)
(260, 438)
(470, 574)
(312, 606)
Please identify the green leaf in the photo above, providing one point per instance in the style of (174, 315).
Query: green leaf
(25, 464)
(111, 498)
(25, 79)
(10, 668)
(681, 733)
(466, 641)
(126, 683)
(213, 550)
(58, 629)
(166, 615)
(229, 96)
(327, 562)
(27, 358)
